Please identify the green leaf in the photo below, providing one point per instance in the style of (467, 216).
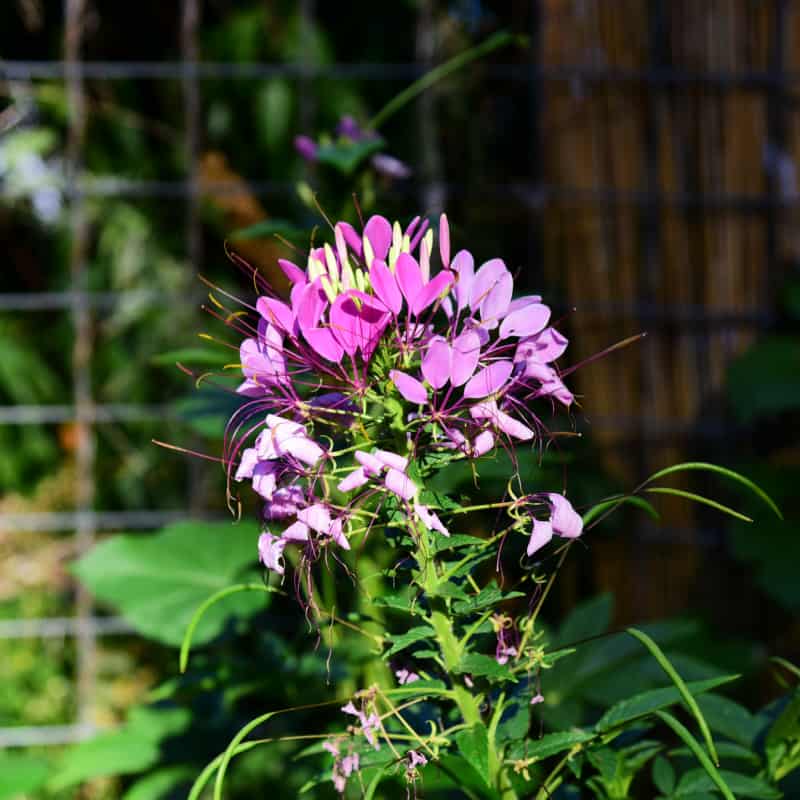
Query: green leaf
(268, 228)
(703, 466)
(482, 666)
(647, 702)
(586, 620)
(448, 644)
(346, 156)
(552, 743)
(158, 785)
(698, 780)
(130, 749)
(158, 581)
(403, 640)
(727, 751)
(698, 498)
(21, 774)
(473, 744)
(729, 718)
(192, 357)
(613, 503)
(698, 752)
(488, 596)
(665, 664)
(663, 775)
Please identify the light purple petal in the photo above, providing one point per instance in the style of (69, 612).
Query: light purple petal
(391, 167)
(247, 463)
(483, 443)
(554, 387)
(265, 478)
(437, 288)
(390, 459)
(379, 232)
(486, 279)
(304, 449)
(525, 300)
(296, 532)
(356, 479)
(385, 286)
(464, 267)
(564, 519)
(444, 241)
(466, 352)
(270, 552)
(436, 362)
(545, 347)
(276, 312)
(489, 410)
(430, 519)
(410, 388)
(317, 517)
(489, 380)
(409, 278)
(306, 147)
(525, 321)
(336, 533)
(400, 484)
(542, 533)
(495, 305)
(536, 699)
(372, 465)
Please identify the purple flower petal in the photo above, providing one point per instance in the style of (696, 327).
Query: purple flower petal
(464, 267)
(276, 312)
(521, 302)
(324, 343)
(436, 362)
(372, 465)
(410, 388)
(542, 533)
(270, 552)
(351, 237)
(400, 484)
(385, 286)
(345, 325)
(390, 459)
(438, 287)
(247, 464)
(503, 422)
(486, 279)
(311, 303)
(466, 352)
(295, 275)
(495, 305)
(489, 380)
(565, 520)
(484, 442)
(545, 347)
(379, 232)
(430, 520)
(444, 241)
(265, 478)
(306, 147)
(317, 517)
(525, 321)
(409, 278)
(389, 166)
(296, 532)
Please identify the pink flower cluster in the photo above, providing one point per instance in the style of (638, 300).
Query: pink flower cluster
(375, 360)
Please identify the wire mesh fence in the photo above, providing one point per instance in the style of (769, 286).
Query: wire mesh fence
(583, 208)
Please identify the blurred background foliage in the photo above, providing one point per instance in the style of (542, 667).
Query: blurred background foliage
(659, 207)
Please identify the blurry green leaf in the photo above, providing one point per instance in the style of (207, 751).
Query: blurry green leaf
(648, 702)
(727, 751)
(473, 744)
(347, 156)
(21, 774)
(586, 620)
(157, 582)
(271, 227)
(161, 783)
(765, 380)
(697, 780)
(130, 749)
(663, 775)
(193, 357)
(273, 105)
(782, 743)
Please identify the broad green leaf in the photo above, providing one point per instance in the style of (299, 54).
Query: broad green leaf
(130, 749)
(673, 675)
(21, 774)
(403, 640)
(473, 744)
(158, 581)
(588, 619)
(552, 743)
(647, 702)
(729, 718)
(782, 743)
(482, 666)
(663, 775)
(727, 751)
(158, 785)
(698, 780)
(488, 596)
(698, 752)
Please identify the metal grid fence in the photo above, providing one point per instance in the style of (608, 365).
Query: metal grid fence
(531, 190)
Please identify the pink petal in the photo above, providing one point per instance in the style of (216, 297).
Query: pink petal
(400, 484)
(525, 300)
(385, 286)
(495, 305)
(345, 324)
(372, 465)
(324, 343)
(409, 278)
(542, 533)
(525, 321)
(410, 388)
(489, 379)
(379, 232)
(545, 347)
(392, 459)
(430, 519)
(295, 275)
(351, 237)
(335, 532)
(296, 532)
(276, 312)
(420, 232)
(486, 279)
(464, 267)
(412, 226)
(564, 519)
(436, 362)
(270, 552)
(466, 352)
(483, 443)
(504, 422)
(311, 303)
(317, 517)
(432, 291)
(444, 240)
(247, 464)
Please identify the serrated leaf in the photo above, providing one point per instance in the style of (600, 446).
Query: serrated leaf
(647, 702)
(473, 744)
(455, 541)
(157, 581)
(403, 640)
(697, 780)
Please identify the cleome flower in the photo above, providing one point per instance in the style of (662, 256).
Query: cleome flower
(386, 352)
